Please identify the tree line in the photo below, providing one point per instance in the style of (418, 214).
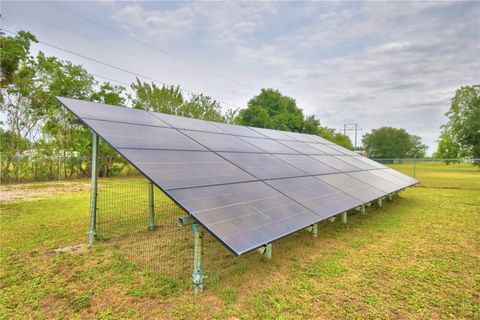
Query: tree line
(39, 141)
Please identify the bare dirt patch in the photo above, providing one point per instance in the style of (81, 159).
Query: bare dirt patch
(14, 193)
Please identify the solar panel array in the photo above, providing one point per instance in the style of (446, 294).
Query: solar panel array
(248, 186)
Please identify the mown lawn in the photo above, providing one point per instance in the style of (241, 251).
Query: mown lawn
(418, 257)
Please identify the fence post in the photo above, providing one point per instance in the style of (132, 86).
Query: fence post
(151, 206)
(414, 167)
(92, 231)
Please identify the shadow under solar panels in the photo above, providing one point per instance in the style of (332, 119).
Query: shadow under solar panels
(181, 169)
(353, 187)
(315, 195)
(244, 215)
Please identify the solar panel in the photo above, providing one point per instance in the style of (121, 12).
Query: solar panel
(306, 164)
(355, 162)
(273, 134)
(238, 130)
(301, 147)
(124, 135)
(336, 163)
(315, 195)
(269, 146)
(247, 186)
(182, 169)
(244, 215)
(353, 187)
(392, 178)
(187, 123)
(375, 181)
(91, 110)
(220, 142)
(325, 149)
(299, 136)
(263, 166)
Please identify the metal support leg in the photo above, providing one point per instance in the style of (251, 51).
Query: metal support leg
(92, 230)
(197, 274)
(362, 209)
(390, 196)
(380, 202)
(266, 251)
(332, 219)
(343, 216)
(313, 229)
(151, 206)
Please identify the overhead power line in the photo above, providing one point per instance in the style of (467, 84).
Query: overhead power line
(118, 68)
(110, 46)
(149, 45)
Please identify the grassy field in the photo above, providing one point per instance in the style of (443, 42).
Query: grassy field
(418, 257)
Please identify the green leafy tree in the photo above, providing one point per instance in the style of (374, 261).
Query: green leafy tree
(170, 100)
(461, 134)
(164, 99)
(271, 109)
(14, 51)
(448, 148)
(388, 142)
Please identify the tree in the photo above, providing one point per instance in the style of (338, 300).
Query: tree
(14, 52)
(271, 109)
(388, 142)
(170, 100)
(461, 134)
(448, 148)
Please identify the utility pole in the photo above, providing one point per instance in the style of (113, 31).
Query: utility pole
(352, 127)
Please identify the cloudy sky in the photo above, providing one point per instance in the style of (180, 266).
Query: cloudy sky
(374, 63)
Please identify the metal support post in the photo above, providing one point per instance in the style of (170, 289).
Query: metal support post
(343, 216)
(313, 229)
(362, 209)
(151, 206)
(332, 219)
(390, 196)
(266, 251)
(197, 275)
(92, 230)
(380, 202)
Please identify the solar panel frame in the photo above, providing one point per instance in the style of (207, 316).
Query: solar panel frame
(195, 125)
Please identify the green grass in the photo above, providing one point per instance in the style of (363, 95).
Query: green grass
(418, 257)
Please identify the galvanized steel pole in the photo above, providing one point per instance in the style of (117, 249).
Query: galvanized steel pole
(92, 231)
(151, 206)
